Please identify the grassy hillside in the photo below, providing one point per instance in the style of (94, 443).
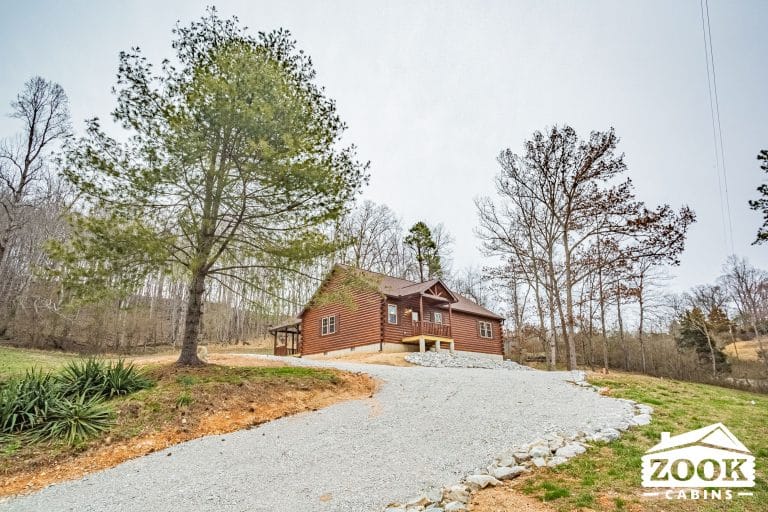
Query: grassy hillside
(607, 477)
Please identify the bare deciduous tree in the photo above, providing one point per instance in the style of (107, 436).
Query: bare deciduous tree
(43, 109)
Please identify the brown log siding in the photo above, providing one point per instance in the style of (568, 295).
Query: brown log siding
(367, 323)
(360, 325)
(466, 334)
(395, 333)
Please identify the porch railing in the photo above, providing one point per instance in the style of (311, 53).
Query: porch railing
(284, 350)
(431, 329)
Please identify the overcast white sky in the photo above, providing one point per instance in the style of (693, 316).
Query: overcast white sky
(432, 91)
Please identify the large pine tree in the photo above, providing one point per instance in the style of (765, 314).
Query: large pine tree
(233, 162)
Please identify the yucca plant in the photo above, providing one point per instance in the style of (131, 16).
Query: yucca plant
(94, 377)
(83, 378)
(75, 419)
(67, 406)
(123, 379)
(26, 402)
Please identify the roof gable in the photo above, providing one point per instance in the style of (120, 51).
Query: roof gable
(397, 287)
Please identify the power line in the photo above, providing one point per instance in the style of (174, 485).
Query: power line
(720, 130)
(714, 110)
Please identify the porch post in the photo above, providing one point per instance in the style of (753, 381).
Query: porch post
(421, 313)
(452, 349)
(450, 318)
(422, 344)
(274, 345)
(437, 345)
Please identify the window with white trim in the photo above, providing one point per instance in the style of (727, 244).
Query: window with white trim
(327, 325)
(392, 313)
(437, 317)
(485, 329)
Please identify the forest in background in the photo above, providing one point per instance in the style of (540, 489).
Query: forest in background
(581, 264)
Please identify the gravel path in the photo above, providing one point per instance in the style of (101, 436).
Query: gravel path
(425, 427)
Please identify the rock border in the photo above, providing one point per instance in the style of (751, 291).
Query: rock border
(445, 359)
(548, 451)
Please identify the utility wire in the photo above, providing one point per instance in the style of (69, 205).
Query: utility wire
(720, 131)
(717, 147)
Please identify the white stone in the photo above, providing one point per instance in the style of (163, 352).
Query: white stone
(570, 450)
(641, 419)
(556, 461)
(644, 409)
(623, 425)
(481, 481)
(540, 451)
(507, 473)
(458, 492)
(455, 506)
(506, 459)
(539, 462)
(555, 443)
(605, 435)
(522, 456)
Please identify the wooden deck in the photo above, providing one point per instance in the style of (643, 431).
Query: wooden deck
(431, 329)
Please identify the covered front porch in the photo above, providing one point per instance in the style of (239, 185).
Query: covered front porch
(287, 338)
(435, 332)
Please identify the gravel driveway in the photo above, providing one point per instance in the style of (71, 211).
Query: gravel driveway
(425, 427)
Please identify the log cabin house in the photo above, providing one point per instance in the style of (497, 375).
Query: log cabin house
(388, 314)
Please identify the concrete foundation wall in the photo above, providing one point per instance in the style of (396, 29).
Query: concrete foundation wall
(396, 347)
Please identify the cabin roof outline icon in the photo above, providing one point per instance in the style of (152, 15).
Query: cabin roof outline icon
(716, 435)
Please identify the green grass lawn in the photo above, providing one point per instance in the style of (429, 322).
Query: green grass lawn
(16, 361)
(607, 477)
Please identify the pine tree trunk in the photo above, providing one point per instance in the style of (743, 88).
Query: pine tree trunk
(192, 321)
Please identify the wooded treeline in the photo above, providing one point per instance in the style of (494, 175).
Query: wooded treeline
(38, 204)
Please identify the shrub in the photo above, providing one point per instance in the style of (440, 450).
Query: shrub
(95, 378)
(123, 379)
(25, 402)
(75, 419)
(67, 406)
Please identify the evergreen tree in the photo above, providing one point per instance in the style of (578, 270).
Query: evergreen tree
(234, 164)
(697, 331)
(761, 204)
(427, 258)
